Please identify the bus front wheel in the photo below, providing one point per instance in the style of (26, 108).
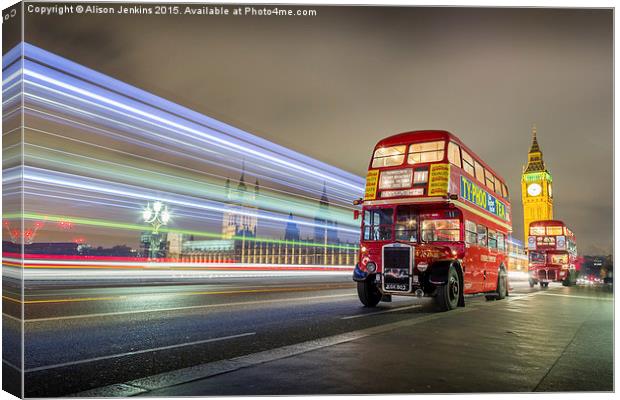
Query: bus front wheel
(448, 294)
(532, 282)
(368, 293)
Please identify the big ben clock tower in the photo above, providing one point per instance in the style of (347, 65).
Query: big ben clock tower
(536, 191)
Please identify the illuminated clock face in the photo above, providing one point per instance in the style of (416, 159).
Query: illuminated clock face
(534, 189)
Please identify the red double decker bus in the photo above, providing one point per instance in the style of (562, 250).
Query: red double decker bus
(552, 253)
(435, 222)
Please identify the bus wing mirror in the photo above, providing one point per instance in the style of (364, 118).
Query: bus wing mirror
(356, 214)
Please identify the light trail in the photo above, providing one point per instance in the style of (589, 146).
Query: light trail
(144, 98)
(181, 294)
(138, 227)
(170, 122)
(96, 151)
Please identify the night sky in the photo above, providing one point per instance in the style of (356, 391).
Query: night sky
(331, 86)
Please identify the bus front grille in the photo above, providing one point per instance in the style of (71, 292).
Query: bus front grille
(397, 261)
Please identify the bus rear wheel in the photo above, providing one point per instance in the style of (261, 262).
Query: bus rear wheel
(532, 282)
(368, 293)
(448, 294)
(544, 284)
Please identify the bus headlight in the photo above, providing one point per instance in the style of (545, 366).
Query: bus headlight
(422, 266)
(371, 267)
(565, 266)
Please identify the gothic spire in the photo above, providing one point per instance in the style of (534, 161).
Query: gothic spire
(324, 203)
(535, 161)
(242, 186)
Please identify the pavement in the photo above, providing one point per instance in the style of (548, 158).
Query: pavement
(558, 339)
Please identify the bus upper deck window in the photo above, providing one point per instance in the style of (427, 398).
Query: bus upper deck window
(454, 154)
(468, 163)
(388, 156)
(559, 258)
(537, 230)
(426, 152)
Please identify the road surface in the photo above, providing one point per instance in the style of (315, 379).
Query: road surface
(307, 335)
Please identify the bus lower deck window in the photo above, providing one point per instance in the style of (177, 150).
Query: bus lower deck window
(440, 230)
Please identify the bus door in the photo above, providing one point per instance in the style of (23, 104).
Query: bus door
(492, 262)
(482, 266)
(472, 262)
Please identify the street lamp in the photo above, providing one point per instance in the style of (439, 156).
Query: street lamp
(157, 215)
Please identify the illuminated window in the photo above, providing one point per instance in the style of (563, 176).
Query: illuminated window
(388, 156)
(468, 163)
(504, 191)
(471, 235)
(420, 176)
(406, 224)
(454, 154)
(537, 230)
(554, 230)
(492, 239)
(489, 180)
(479, 171)
(426, 152)
(378, 224)
(482, 235)
(559, 258)
(498, 186)
(536, 257)
(440, 230)
(501, 242)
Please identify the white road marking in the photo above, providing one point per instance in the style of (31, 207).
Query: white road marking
(241, 303)
(131, 353)
(12, 317)
(202, 371)
(579, 297)
(11, 365)
(382, 312)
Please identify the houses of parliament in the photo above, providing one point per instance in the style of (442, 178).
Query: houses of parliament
(239, 242)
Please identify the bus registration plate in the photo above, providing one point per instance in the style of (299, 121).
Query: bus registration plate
(396, 269)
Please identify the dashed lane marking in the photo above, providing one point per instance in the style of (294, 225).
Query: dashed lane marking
(131, 353)
(166, 379)
(382, 312)
(240, 303)
(579, 296)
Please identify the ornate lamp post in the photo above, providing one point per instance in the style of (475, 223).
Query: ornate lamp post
(157, 215)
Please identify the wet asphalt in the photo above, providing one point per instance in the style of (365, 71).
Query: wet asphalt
(84, 338)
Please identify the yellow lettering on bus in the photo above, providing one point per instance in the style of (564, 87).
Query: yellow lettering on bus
(372, 180)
